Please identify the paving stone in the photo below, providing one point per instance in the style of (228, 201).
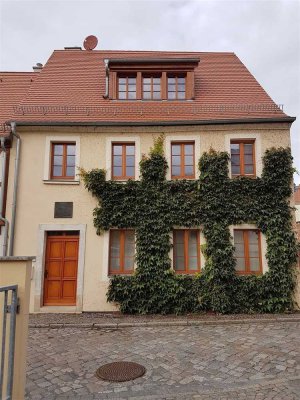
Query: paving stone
(208, 362)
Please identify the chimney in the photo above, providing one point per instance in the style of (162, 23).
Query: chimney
(38, 67)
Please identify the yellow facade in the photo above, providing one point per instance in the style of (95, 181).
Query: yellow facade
(37, 195)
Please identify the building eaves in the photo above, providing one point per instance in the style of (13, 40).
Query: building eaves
(158, 123)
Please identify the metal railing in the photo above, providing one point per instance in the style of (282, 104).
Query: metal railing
(10, 335)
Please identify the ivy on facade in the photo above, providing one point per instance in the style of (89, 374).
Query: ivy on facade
(154, 205)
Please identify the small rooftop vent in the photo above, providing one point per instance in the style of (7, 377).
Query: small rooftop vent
(90, 42)
(38, 67)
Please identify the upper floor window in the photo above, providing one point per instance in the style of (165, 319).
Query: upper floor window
(151, 79)
(151, 87)
(186, 251)
(123, 161)
(242, 157)
(176, 87)
(183, 160)
(247, 243)
(63, 160)
(121, 251)
(127, 87)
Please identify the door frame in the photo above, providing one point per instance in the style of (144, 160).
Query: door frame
(74, 238)
(40, 267)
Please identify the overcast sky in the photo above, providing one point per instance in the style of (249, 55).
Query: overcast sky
(264, 34)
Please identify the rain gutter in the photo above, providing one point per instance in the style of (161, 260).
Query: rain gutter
(106, 62)
(15, 189)
(159, 123)
(2, 218)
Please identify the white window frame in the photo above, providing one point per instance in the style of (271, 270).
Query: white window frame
(265, 267)
(182, 138)
(257, 144)
(47, 160)
(122, 139)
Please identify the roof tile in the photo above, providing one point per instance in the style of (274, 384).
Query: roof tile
(13, 87)
(71, 86)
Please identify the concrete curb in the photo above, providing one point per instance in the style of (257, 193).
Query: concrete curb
(119, 325)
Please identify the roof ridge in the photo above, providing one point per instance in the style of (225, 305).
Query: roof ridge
(145, 51)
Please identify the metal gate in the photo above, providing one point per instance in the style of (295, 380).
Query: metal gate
(8, 339)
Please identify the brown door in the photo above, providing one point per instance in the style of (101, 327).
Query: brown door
(61, 270)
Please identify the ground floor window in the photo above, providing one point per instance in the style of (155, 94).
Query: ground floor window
(121, 251)
(186, 251)
(247, 243)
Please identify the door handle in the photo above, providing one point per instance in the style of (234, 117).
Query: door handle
(46, 274)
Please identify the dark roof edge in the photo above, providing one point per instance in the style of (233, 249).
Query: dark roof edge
(152, 60)
(157, 123)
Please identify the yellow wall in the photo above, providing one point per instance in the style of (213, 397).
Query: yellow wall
(36, 199)
(17, 272)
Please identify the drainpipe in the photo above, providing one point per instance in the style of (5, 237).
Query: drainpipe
(106, 62)
(2, 218)
(15, 190)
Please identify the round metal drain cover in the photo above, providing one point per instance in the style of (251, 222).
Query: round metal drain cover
(121, 371)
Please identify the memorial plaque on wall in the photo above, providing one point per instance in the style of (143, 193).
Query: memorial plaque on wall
(63, 209)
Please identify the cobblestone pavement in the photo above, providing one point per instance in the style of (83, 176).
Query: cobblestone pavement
(230, 361)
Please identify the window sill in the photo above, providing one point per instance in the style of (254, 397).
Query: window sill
(242, 273)
(187, 273)
(60, 182)
(123, 180)
(121, 274)
(243, 176)
(187, 178)
(154, 100)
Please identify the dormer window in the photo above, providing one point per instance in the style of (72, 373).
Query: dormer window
(176, 87)
(151, 87)
(127, 87)
(151, 79)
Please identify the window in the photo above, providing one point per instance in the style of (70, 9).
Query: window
(176, 87)
(63, 161)
(127, 87)
(148, 80)
(121, 251)
(151, 87)
(183, 160)
(123, 161)
(242, 158)
(247, 243)
(186, 251)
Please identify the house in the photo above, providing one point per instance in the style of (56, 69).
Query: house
(102, 109)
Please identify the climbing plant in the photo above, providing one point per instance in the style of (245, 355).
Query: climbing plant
(154, 205)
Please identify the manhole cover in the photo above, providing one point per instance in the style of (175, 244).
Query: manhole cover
(120, 371)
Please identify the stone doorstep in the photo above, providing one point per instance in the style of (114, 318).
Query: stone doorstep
(118, 325)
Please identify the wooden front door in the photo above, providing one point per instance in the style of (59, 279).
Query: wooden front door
(61, 270)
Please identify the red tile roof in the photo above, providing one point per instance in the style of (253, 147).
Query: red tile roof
(13, 87)
(71, 86)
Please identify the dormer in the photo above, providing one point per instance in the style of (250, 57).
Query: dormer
(155, 79)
